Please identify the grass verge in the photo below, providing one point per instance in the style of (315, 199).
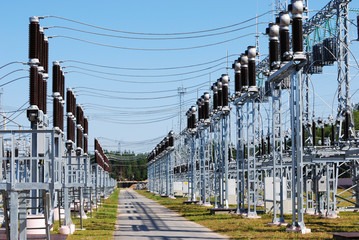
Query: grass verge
(101, 225)
(237, 227)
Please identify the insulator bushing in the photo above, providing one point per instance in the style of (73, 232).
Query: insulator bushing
(73, 133)
(55, 77)
(40, 90)
(188, 121)
(46, 55)
(40, 46)
(56, 110)
(215, 96)
(225, 91)
(171, 139)
(206, 97)
(69, 100)
(346, 126)
(79, 138)
(62, 86)
(284, 22)
(167, 142)
(34, 86)
(73, 104)
(273, 33)
(314, 133)
(69, 128)
(78, 114)
(199, 109)
(61, 116)
(263, 145)
(193, 112)
(44, 95)
(252, 52)
(297, 9)
(244, 71)
(86, 125)
(34, 29)
(220, 92)
(268, 145)
(237, 76)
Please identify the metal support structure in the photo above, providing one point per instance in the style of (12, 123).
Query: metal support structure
(296, 109)
(252, 184)
(277, 155)
(240, 159)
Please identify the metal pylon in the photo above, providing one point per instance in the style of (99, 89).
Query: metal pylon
(345, 113)
(204, 167)
(240, 159)
(252, 193)
(217, 160)
(277, 141)
(225, 161)
(296, 110)
(192, 171)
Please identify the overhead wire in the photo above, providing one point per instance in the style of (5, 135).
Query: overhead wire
(142, 107)
(157, 38)
(17, 70)
(145, 82)
(165, 34)
(14, 80)
(146, 76)
(139, 92)
(152, 49)
(149, 69)
(95, 94)
(133, 122)
(10, 63)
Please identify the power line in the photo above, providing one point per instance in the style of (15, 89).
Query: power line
(140, 92)
(17, 70)
(14, 80)
(10, 63)
(146, 82)
(142, 38)
(165, 34)
(152, 49)
(151, 69)
(147, 76)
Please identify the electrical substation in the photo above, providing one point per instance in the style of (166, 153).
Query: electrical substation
(255, 143)
(288, 171)
(47, 174)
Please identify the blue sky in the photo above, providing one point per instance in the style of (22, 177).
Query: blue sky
(120, 120)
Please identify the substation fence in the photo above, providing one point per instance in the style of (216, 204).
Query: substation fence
(44, 176)
(287, 172)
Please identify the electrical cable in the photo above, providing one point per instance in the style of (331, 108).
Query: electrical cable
(147, 82)
(142, 38)
(165, 34)
(14, 80)
(1, 67)
(129, 122)
(152, 49)
(94, 94)
(146, 76)
(12, 119)
(151, 107)
(147, 92)
(149, 69)
(17, 70)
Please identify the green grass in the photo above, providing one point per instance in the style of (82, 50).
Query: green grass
(101, 225)
(237, 227)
